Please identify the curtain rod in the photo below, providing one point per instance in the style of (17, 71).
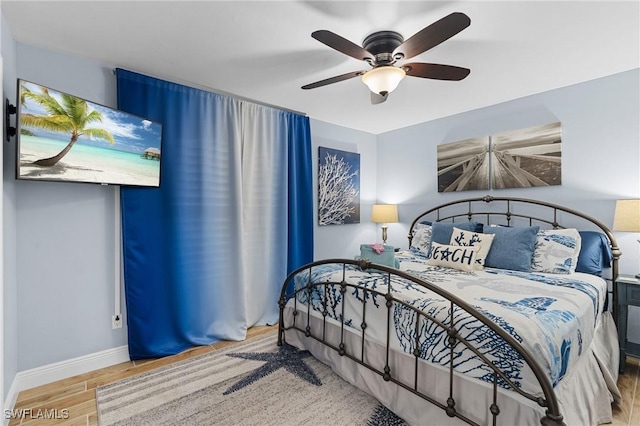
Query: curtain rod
(217, 92)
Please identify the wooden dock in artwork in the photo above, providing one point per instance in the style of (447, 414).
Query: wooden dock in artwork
(525, 158)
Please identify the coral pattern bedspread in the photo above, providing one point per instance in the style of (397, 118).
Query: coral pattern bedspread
(553, 316)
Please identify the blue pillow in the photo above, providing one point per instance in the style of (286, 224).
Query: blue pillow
(441, 231)
(595, 253)
(512, 248)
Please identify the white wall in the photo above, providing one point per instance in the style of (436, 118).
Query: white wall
(600, 154)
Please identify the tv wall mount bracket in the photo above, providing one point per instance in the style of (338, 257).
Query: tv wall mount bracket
(9, 110)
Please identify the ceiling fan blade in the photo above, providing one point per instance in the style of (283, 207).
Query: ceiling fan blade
(377, 98)
(431, 36)
(341, 44)
(335, 79)
(436, 71)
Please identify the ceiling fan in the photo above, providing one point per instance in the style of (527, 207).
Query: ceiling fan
(382, 49)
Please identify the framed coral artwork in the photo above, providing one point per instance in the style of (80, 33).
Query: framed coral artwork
(338, 187)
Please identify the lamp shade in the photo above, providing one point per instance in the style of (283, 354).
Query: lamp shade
(383, 80)
(384, 213)
(627, 216)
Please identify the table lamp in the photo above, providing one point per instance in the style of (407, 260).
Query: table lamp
(384, 214)
(627, 217)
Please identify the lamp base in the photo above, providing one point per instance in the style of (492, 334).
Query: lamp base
(384, 234)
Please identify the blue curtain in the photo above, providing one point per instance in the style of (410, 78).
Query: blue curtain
(300, 195)
(235, 180)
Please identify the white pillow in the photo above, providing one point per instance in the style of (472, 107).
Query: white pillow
(421, 238)
(457, 257)
(556, 251)
(461, 237)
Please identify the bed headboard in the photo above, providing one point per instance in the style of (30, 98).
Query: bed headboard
(521, 212)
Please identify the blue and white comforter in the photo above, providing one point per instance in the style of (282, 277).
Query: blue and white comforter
(552, 316)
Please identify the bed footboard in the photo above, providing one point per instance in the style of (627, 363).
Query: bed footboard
(292, 296)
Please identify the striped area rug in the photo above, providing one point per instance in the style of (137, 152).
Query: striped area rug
(253, 383)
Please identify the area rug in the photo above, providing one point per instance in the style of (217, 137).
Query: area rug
(252, 383)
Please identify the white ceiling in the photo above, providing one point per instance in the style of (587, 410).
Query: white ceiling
(263, 50)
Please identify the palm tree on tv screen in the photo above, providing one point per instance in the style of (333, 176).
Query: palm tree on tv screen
(73, 117)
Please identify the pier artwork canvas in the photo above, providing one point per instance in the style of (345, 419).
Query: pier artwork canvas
(463, 165)
(529, 157)
(65, 138)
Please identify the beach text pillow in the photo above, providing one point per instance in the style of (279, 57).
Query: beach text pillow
(457, 257)
(460, 237)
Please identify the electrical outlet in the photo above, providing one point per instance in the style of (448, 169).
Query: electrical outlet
(116, 321)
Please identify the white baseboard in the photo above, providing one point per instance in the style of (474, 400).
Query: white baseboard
(61, 370)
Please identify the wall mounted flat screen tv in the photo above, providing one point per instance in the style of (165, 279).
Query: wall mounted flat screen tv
(65, 138)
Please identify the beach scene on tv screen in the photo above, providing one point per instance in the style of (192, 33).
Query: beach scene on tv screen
(66, 138)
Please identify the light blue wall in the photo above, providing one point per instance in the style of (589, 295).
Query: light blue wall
(9, 219)
(600, 155)
(344, 240)
(600, 151)
(64, 252)
(59, 258)
(65, 237)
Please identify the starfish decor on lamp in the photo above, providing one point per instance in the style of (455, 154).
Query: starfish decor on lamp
(384, 214)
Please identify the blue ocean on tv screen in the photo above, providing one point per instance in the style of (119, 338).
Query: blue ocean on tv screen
(87, 163)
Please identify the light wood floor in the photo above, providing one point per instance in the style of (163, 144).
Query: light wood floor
(77, 394)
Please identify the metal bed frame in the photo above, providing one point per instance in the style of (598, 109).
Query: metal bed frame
(492, 210)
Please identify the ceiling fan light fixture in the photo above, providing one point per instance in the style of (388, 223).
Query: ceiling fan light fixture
(383, 80)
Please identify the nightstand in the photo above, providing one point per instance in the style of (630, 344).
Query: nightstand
(628, 295)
